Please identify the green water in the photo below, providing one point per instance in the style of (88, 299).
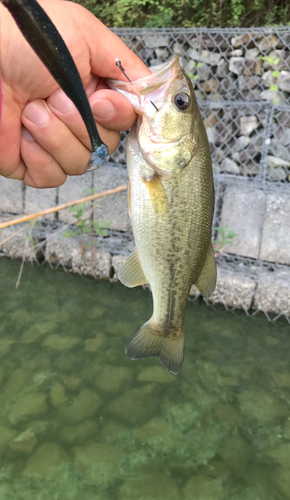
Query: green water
(81, 421)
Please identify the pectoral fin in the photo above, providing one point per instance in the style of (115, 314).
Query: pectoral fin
(157, 195)
(131, 273)
(207, 279)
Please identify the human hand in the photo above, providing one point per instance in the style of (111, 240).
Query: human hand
(42, 137)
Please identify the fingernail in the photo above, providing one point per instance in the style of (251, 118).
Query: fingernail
(27, 135)
(36, 113)
(103, 108)
(60, 101)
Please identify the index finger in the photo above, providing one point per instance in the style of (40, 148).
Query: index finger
(105, 47)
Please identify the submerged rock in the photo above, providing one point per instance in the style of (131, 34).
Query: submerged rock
(57, 395)
(99, 462)
(134, 406)
(204, 488)
(79, 434)
(26, 406)
(46, 460)
(6, 434)
(155, 486)
(59, 343)
(156, 374)
(83, 406)
(24, 443)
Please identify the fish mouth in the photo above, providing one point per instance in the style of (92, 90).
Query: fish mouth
(137, 91)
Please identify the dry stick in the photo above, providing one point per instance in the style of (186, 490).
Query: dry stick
(62, 207)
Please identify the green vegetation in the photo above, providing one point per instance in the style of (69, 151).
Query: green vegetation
(226, 237)
(187, 13)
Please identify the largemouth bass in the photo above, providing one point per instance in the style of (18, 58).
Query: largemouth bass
(46, 41)
(171, 201)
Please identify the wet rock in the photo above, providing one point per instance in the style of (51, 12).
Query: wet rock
(111, 378)
(26, 406)
(134, 406)
(99, 462)
(156, 374)
(45, 461)
(236, 453)
(281, 379)
(248, 124)
(6, 435)
(24, 443)
(83, 406)
(159, 436)
(283, 81)
(230, 166)
(71, 382)
(79, 434)
(261, 405)
(153, 486)
(57, 395)
(5, 345)
(267, 43)
(203, 487)
(229, 417)
(236, 65)
(94, 344)
(59, 343)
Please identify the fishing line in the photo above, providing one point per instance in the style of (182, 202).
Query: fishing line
(119, 64)
(46, 41)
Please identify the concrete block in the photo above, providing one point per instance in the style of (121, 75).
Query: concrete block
(74, 188)
(18, 245)
(39, 199)
(243, 211)
(78, 255)
(232, 289)
(11, 196)
(273, 292)
(275, 242)
(113, 208)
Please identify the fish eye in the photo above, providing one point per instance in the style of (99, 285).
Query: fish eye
(181, 101)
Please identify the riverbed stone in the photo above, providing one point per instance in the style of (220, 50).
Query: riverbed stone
(78, 434)
(159, 435)
(6, 435)
(95, 343)
(99, 462)
(261, 405)
(273, 291)
(275, 242)
(82, 406)
(30, 405)
(111, 378)
(57, 395)
(246, 223)
(156, 374)
(58, 343)
(24, 442)
(202, 487)
(45, 461)
(134, 406)
(153, 486)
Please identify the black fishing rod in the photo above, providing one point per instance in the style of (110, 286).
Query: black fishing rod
(44, 38)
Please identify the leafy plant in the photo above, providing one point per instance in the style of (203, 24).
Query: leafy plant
(226, 237)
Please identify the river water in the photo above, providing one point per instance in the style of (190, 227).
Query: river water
(79, 420)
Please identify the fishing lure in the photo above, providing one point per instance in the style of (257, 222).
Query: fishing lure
(44, 38)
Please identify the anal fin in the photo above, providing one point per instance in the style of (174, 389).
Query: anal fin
(207, 279)
(131, 273)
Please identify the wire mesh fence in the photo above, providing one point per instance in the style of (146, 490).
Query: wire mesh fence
(242, 83)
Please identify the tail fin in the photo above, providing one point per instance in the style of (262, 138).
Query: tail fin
(149, 342)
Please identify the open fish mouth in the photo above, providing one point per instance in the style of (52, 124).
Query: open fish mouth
(156, 84)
